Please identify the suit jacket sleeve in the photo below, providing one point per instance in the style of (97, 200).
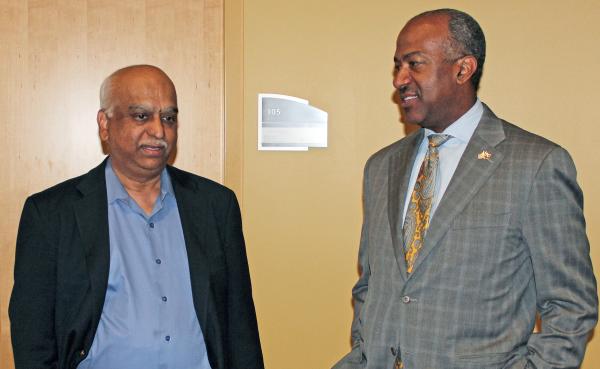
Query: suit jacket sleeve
(31, 307)
(354, 359)
(554, 230)
(244, 343)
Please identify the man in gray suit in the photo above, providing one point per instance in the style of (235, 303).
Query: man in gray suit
(469, 233)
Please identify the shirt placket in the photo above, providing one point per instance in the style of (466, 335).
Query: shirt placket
(160, 274)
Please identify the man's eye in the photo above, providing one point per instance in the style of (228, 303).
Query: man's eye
(140, 116)
(170, 119)
(413, 63)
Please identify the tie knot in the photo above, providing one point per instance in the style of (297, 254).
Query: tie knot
(437, 140)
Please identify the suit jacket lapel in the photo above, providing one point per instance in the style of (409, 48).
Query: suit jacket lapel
(400, 168)
(194, 213)
(91, 216)
(471, 173)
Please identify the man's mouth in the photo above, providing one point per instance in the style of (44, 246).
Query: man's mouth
(154, 148)
(407, 100)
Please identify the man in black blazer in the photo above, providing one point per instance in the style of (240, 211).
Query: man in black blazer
(65, 253)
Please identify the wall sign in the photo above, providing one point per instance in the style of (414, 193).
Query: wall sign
(288, 123)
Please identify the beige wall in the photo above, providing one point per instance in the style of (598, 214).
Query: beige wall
(302, 210)
(54, 55)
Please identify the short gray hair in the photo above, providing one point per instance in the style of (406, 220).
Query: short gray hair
(106, 103)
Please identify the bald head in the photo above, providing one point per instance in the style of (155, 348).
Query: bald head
(124, 77)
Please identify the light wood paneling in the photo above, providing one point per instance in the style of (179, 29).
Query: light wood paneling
(55, 54)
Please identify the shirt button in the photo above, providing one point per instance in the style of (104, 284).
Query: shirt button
(406, 299)
(164, 298)
(167, 338)
(151, 225)
(158, 261)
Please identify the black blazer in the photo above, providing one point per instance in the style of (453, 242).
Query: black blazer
(62, 263)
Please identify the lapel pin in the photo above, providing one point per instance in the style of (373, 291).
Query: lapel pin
(484, 155)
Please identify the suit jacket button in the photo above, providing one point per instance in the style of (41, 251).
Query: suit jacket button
(406, 299)
(82, 353)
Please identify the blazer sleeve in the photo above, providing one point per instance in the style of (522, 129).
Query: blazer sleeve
(554, 230)
(355, 359)
(31, 308)
(244, 351)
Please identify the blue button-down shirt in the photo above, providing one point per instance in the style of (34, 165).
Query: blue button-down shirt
(148, 320)
(449, 153)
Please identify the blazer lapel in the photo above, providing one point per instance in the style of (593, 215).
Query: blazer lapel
(91, 216)
(400, 168)
(473, 170)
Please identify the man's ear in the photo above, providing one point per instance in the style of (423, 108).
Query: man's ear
(467, 65)
(102, 120)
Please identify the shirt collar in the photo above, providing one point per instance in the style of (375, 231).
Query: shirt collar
(115, 190)
(464, 126)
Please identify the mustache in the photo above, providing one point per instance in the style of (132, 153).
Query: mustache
(159, 143)
(404, 89)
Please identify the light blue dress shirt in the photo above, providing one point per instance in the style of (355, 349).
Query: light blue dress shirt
(449, 153)
(148, 320)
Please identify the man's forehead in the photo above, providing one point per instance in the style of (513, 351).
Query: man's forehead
(144, 89)
(422, 33)
(144, 81)
(425, 26)
(142, 77)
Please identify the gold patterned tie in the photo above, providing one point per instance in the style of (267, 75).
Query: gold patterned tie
(416, 221)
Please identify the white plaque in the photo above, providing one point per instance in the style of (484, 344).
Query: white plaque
(288, 123)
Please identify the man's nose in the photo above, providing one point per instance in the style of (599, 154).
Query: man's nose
(401, 78)
(155, 127)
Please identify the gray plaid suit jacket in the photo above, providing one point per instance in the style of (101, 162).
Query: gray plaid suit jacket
(507, 239)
